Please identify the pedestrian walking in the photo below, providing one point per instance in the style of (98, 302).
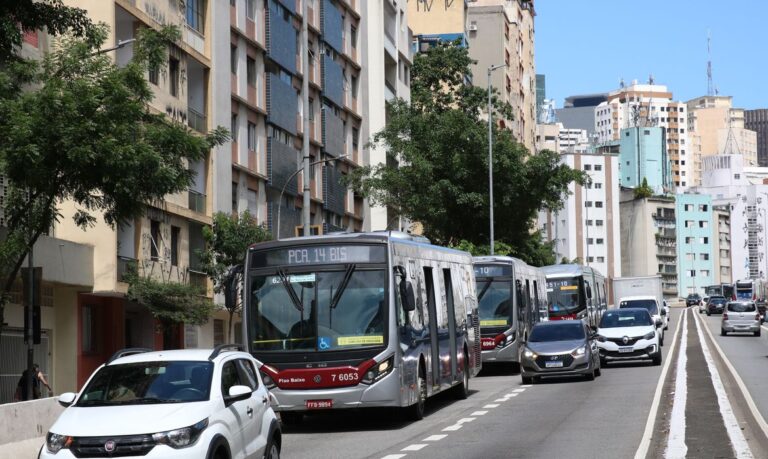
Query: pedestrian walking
(38, 378)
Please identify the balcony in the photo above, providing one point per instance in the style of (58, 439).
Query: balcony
(197, 121)
(194, 39)
(196, 202)
(125, 266)
(389, 91)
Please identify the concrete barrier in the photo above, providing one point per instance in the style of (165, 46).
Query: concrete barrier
(23, 426)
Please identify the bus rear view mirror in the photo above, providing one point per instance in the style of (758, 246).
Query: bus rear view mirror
(407, 297)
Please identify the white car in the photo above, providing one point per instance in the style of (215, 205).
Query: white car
(189, 403)
(628, 334)
(650, 304)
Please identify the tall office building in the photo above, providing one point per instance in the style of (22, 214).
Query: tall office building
(715, 128)
(501, 32)
(757, 120)
(649, 105)
(578, 112)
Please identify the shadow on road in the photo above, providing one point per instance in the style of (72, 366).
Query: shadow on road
(627, 364)
(500, 369)
(367, 419)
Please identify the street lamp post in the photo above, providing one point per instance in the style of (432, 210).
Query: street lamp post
(298, 171)
(490, 146)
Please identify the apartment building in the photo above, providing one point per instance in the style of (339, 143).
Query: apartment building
(715, 128)
(695, 242)
(649, 239)
(757, 120)
(501, 32)
(721, 218)
(649, 105)
(643, 156)
(385, 75)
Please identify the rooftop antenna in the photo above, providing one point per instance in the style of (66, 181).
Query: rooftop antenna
(650, 79)
(621, 83)
(711, 91)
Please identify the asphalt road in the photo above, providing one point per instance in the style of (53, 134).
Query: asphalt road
(502, 418)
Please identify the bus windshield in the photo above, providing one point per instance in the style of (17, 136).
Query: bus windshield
(318, 310)
(564, 297)
(495, 301)
(744, 291)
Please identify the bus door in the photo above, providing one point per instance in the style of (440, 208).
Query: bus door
(448, 304)
(432, 320)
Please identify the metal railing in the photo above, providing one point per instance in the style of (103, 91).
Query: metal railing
(196, 201)
(197, 121)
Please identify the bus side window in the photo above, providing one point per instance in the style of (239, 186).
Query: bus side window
(520, 301)
(399, 275)
(536, 298)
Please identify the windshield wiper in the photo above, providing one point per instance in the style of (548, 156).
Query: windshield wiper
(343, 285)
(291, 292)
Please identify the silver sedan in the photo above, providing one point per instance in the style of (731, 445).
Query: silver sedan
(740, 316)
(560, 348)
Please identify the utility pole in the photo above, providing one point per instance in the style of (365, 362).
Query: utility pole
(305, 208)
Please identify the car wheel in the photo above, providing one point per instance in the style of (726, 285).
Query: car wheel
(221, 453)
(462, 390)
(709, 313)
(657, 359)
(527, 380)
(598, 372)
(757, 333)
(603, 362)
(722, 332)
(415, 412)
(272, 451)
(590, 376)
(661, 340)
(291, 418)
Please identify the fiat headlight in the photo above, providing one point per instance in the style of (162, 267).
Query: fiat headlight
(55, 442)
(181, 438)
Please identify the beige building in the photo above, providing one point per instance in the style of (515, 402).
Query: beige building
(548, 137)
(722, 244)
(501, 32)
(715, 128)
(643, 105)
(649, 239)
(446, 20)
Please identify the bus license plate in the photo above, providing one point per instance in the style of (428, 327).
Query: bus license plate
(319, 404)
(553, 364)
(624, 350)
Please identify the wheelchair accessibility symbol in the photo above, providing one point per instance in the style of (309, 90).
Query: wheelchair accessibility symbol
(323, 343)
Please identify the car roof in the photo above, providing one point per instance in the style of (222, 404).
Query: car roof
(628, 310)
(195, 355)
(554, 323)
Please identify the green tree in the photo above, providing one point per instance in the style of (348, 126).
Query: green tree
(441, 142)
(19, 16)
(226, 244)
(77, 127)
(643, 191)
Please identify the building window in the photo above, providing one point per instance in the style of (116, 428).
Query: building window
(154, 75)
(355, 138)
(705, 240)
(234, 128)
(601, 259)
(598, 167)
(353, 36)
(600, 241)
(252, 141)
(589, 222)
(250, 9)
(89, 322)
(354, 87)
(173, 75)
(736, 176)
(598, 223)
(703, 224)
(704, 256)
(175, 231)
(587, 167)
(250, 70)
(154, 233)
(311, 109)
(590, 259)
(233, 60)
(598, 185)
(196, 14)
(598, 204)
(589, 241)
(588, 204)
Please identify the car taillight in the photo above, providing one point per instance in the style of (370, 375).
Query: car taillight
(757, 316)
(725, 316)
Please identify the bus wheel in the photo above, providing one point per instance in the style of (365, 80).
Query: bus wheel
(415, 412)
(462, 390)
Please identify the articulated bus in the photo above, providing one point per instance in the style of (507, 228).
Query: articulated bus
(512, 297)
(749, 289)
(725, 290)
(354, 320)
(575, 292)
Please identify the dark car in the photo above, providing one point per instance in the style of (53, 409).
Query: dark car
(716, 304)
(694, 299)
(560, 348)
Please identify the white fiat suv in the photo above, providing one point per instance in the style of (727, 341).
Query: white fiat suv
(628, 334)
(189, 403)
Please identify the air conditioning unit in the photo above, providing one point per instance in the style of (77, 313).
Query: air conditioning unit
(473, 27)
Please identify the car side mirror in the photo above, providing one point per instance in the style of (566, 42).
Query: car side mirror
(663, 312)
(658, 323)
(407, 296)
(66, 399)
(237, 393)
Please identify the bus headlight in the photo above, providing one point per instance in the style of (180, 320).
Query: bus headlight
(506, 340)
(379, 370)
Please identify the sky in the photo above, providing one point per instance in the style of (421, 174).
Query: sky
(588, 46)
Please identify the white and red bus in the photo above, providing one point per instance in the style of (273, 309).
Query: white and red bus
(359, 320)
(576, 292)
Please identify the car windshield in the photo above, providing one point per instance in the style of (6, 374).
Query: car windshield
(694, 296)
(649, 305)
(562, 331)
(719, 300)
(563, 296)
(323, 310)
(495, 302)
(148, 382)
(625, 318)
(741, 307)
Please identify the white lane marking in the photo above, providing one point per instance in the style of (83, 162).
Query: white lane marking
(501, 399)
(512, 394)
(463, 420)
(676, 447)
(393, 456)
(645, 443)
(479, 413)
(491, 405)
(739, 382)
(414, 447)
(452, 428)
(527, 385)
(735, 435)
(520, 390)
(435, 438)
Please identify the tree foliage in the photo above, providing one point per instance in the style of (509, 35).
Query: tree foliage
(20, 16)
(441, 142)
(170, 302)
(77, 127)
(644, 190)
(227, 241)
